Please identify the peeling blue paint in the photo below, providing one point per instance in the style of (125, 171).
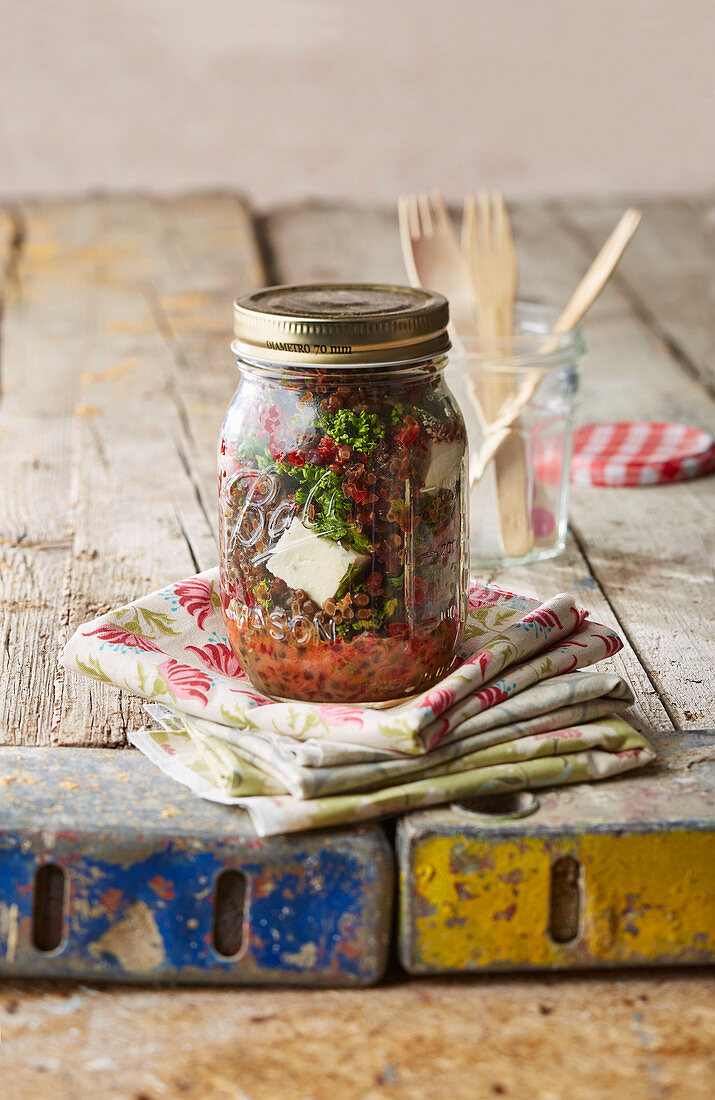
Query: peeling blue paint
(140, 903)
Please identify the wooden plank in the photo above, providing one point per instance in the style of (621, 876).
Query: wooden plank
(137, 520)
(641, 1036)
(647, 549)
(650, 548)
(180, 281)
(8, 243)
(324, 242)
(668, 274)
(211, 256)
(102, 504)
(352, 243)
(42, 331)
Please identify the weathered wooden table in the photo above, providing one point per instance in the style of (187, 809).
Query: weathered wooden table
(115, 370)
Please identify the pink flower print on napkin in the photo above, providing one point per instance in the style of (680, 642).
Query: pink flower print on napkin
(341, 714)
(573, 644)
(197, 597)
(484, 658)
(568, 733)
(115, 635)
(218, 657)
(479, 596)
(185, 682)
(490, 696)
(611, 643)
(439, 699)
(543, 616)
(580, 615)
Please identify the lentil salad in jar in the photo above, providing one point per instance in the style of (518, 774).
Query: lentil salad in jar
(342, 494)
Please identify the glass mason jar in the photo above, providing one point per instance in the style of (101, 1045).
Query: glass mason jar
(342, 494)
(518, 397)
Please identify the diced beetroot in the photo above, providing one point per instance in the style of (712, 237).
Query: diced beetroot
(327, 447)
(406, 436)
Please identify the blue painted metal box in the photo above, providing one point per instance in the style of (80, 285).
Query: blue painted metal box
(108, 870)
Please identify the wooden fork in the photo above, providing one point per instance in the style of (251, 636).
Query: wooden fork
(488, 248)
(579, 303)
(433, 258)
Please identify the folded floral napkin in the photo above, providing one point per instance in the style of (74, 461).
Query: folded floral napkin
(514, 713)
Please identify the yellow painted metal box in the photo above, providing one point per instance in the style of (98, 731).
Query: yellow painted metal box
(596, 875)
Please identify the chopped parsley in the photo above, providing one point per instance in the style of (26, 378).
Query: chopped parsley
(323, 488)
(362, 431)
(377, 620)
(253, 447)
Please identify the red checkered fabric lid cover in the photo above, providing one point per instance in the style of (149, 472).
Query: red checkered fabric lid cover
(640, 453)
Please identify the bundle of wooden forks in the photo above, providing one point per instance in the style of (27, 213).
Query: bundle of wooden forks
(479, 278)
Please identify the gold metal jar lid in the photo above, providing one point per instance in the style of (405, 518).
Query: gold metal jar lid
(341, 324)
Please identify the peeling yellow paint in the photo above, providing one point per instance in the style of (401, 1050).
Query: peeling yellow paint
(485, 903)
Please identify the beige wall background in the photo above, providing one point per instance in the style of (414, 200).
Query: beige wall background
(323, 98)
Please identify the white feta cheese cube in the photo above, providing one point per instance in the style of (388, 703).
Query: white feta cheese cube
(312, 562)
(444, 463)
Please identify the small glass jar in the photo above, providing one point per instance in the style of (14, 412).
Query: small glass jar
(342, 494)
(518, 396)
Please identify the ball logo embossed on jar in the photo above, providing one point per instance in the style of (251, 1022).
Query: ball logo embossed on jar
(250, 520)
(343, 565)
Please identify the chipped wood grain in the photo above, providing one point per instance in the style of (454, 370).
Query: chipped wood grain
(624, 1037)
(668, 274)
(100, 500)
(212, 257)
(651, 549)
(41, 337)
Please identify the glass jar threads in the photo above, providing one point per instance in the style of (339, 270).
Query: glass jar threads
(342, 494)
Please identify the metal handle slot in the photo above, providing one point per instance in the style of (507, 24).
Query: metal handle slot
(48, 907)
(505, 804)
(565, 900)
(229, 913)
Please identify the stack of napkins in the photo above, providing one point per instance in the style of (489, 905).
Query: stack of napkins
(515, 713)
